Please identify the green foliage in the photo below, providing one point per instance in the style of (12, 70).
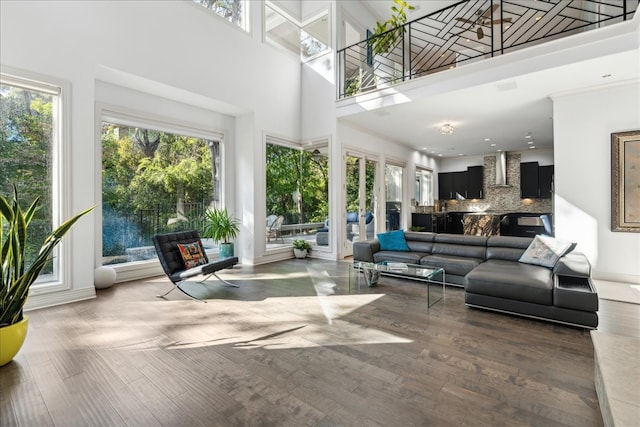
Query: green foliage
(220, 226)
(290, 172)
(301, 245)
(26, 129)
(386, 34)
(17, 278)
(353, 180)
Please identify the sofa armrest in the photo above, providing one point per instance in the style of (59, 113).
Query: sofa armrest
(573, 264)
(363, 251)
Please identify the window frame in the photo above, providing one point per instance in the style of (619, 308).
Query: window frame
(61, 278)
(129, 117)
(273, 139)
(300, 25)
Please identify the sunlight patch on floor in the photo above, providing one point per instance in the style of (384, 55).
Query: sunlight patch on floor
(274, 323)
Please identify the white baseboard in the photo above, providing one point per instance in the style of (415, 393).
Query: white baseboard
(616, 277)
(35, 302)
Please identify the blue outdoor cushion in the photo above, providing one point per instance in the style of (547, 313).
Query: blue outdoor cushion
(393, 241)
(352, 217)
(368, 218)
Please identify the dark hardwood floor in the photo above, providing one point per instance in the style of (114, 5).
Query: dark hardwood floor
(291, 346)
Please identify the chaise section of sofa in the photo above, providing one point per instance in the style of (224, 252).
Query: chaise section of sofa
(495, 279)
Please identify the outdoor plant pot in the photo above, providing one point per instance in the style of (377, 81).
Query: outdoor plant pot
(300, 253)
(226, 250)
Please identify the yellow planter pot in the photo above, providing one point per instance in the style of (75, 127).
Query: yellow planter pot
(11, 339)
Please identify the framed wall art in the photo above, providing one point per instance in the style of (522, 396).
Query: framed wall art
(625, 181)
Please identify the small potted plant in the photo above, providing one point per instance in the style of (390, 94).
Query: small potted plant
(220, 226)
(301, 248)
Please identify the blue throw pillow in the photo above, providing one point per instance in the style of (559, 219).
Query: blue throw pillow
(393, 241)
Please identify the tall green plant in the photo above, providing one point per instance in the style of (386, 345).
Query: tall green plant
(386, 34)
(220, 226)
(16, 277)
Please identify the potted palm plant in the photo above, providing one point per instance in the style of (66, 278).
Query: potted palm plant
(17, 277)
(220, 226)
(301, 248)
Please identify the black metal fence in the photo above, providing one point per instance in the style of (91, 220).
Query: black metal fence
(468, 31)
(128, 237)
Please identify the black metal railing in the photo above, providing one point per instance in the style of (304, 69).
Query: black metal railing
(467, 31)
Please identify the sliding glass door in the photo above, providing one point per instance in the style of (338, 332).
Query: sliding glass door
(360, 198)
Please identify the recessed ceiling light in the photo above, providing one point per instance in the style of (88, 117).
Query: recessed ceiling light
(461, 154)
(527, 136)
(530, 142)
(439, 154)
(532, 147)
(538, 18)
(499, 150)
(493, 145)
(487, 139)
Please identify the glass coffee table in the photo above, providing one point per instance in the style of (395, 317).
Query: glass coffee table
(370, 273)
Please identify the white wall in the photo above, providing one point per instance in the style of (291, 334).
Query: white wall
(583, 123)
(172, 49)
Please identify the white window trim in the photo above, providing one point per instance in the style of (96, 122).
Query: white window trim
(272, 138)
(125, 116)
(60, 177)
(300, 25)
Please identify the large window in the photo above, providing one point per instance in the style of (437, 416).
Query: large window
(307, 39)
(234, 11)
(297, 191)
(424, 187)
(153, 182)
(30, 140)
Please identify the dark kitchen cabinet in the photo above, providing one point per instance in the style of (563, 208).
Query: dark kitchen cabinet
(475, 182)
(445, 186)
(529, 180)
(545, 181)
(536, 181)
(460, 184)
(467, 184)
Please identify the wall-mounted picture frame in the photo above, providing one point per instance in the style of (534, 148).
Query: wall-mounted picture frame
(625, 181)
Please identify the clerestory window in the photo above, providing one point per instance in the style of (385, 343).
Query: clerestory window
(234, 11)
(307, 39)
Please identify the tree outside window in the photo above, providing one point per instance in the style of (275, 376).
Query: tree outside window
(27, 121)
(153, 182)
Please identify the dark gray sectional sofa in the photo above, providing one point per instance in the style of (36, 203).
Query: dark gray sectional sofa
(494, 279)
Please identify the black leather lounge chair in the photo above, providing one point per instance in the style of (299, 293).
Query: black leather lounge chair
(174, 266)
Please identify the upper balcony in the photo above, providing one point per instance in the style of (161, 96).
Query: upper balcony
(468, 31)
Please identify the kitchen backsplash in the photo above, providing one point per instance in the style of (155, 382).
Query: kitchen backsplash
(501, 198)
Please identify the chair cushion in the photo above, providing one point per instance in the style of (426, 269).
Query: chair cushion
(192, 254)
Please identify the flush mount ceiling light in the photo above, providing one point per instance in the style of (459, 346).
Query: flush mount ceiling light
(446, 129)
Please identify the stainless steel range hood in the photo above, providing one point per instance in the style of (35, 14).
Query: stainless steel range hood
(501, 169)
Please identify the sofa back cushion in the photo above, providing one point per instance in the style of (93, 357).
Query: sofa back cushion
(507, 248)
(419, 241)
(460, 245)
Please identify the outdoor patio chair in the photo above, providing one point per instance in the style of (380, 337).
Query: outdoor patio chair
(275, 230)
(182, 256)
